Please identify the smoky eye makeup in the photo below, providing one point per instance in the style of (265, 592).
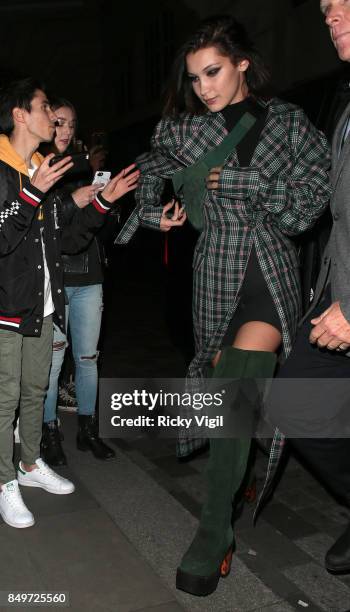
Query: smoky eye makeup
(210, 72)
(213, 71)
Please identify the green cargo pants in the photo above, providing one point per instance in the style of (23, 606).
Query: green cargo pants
(24, 373)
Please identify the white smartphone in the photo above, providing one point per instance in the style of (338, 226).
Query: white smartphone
(101, 178)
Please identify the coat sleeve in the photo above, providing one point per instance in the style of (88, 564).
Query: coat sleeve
(295, 201)
(78, 233)
(155, 166)
(17, 211)
(148, 211)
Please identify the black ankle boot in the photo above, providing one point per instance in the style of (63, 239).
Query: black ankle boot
(51, 447)
(88, 438)
(338, 557)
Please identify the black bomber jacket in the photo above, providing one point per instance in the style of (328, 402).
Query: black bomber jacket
(24, 210)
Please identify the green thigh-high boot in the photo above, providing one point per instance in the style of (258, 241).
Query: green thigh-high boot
(209, 555)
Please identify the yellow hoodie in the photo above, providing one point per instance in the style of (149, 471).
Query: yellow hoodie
(11, 157)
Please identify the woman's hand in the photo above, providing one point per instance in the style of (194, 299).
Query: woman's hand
(122, 183)
(84, 195)
(178, 218)
(212, 180)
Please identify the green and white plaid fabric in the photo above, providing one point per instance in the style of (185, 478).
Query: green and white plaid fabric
(280, 195)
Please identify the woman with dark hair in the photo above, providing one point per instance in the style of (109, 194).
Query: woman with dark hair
(230, 39)
(252, 173)
(83, 278)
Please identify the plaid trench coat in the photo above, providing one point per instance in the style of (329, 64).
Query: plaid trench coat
(280, 195)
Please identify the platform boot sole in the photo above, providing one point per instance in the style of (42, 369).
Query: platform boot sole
(201, 586)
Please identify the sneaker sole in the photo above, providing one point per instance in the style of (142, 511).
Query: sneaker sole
(15, 524)
(46, 488)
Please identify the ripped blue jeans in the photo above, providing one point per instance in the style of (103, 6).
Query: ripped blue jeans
(83, 316)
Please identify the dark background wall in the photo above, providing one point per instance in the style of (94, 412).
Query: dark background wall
(112, 58)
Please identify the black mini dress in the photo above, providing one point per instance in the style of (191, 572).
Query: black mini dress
(255, 300)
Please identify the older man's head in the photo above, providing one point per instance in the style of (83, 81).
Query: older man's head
(337, 17)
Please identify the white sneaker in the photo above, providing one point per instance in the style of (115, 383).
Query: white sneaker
(12, 507)
(44, 478)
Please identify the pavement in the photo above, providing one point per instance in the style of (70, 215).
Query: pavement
(115, 543)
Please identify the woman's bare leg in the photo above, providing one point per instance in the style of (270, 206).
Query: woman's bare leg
(255, 336)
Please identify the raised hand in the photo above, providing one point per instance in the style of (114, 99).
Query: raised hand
(123, 182)
(46, 176)
(177, 219)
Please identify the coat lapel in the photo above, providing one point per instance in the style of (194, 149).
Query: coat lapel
(338, 161)
(209, 134)
(211, 131)
(270, 155)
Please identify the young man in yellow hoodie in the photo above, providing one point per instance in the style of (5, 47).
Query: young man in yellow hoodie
(31, 282)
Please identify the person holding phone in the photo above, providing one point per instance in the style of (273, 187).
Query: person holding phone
(78, 183)
(32, 239)
(83, 278)
(253, 173)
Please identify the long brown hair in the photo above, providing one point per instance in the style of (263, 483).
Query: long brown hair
(231, 39)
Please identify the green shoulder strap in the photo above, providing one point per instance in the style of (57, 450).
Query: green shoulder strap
(189, 182)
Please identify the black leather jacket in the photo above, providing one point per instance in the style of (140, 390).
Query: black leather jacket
(78, 263)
